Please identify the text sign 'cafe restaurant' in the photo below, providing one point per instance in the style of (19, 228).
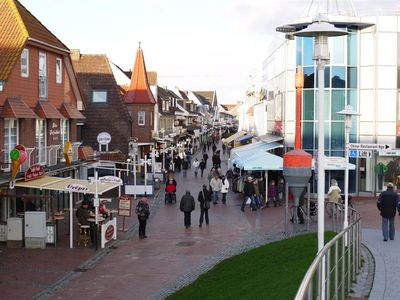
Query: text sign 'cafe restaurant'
(45, 216)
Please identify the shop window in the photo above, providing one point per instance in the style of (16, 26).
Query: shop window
(308, 135)
(337, 104)
(308, 105)
(352, 77)
(64, 131)
(309, 75)
(337, 136)
(40, 141)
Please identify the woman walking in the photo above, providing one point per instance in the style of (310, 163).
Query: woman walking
(224, 188)
(143, 212)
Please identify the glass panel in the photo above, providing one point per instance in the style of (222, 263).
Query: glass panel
(351, 77)
(308, 77)
(352, 99)
(337, 153)
(338, 104)
(338, 49)
(308, 51)
(327, 105)
(99, 96)
(308, 135)
(327, 75)
(352, 48)
(308, 105)
(337, 138)
(338, 77)
(299, 60)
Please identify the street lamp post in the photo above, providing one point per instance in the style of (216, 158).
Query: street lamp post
(320, 30)
(347, 112)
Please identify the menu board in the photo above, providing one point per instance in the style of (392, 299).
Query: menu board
(124, 206)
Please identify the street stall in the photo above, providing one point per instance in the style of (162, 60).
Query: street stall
(95, 187)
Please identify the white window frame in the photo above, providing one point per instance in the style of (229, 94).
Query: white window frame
(25, 63)
(98, 92)
(10, 141)
(58, 70)
(43, 75)
(41, 141)
(64, 131)
(141, 118)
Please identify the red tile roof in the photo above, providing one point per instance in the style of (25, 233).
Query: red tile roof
(71, 112)
(17, 24)
(46, 110)
(16, 108)
(139, 91)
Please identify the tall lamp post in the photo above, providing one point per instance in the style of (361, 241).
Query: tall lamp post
(320, 29)
(347, 112)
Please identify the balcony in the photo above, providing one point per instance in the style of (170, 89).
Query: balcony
(49, 156)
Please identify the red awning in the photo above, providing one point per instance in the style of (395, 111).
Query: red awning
(46, 110)
(71, 112)
(16, 108)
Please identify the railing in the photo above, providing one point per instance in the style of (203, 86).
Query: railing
(53, 156)
(337, 264)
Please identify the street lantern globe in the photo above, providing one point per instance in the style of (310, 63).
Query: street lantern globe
(348, 112)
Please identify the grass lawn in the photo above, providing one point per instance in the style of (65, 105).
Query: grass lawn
(273, 271)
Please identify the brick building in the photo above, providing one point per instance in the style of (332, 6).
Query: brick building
(105, 110)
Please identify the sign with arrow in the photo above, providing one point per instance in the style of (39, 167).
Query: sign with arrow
(371, 147)
(360, 153)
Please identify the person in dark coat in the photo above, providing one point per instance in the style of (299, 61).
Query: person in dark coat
(204, 198)
(388, 202)
(178, 162)
(185, 166)
(202, 167)
(187, 205)
(205, 158)
(143, 212)
(248, 192)
(214, 148)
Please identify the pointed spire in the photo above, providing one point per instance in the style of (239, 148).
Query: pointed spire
(139, 90)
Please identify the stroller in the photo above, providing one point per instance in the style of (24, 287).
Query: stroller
(170, 198)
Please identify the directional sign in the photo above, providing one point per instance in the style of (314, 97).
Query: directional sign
(375, 147)
(360, 153)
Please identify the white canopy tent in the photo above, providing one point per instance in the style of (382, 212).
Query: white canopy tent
(69, 185)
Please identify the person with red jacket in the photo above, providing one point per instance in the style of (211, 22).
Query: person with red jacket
(170, 190)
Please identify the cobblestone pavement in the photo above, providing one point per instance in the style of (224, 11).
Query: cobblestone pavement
(171, 256)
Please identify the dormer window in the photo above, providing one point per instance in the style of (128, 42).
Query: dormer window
(25, 63)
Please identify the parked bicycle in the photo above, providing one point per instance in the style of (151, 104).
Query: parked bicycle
(302, 214)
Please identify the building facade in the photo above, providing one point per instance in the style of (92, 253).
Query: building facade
(363, 72)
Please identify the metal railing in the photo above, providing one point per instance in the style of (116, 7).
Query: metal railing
(335, 267)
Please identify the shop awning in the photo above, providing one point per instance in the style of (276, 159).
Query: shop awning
(60, 184)
(251, 149)
(268, 138)
(71, 112)
(233, 137)
(263, 161)
(46, 110)
(16, 108)
(244, 138)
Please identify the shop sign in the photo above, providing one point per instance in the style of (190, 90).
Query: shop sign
(68, 153)
(110, 179)
(124, 206)
(34, 172)
(76, 187)
(54, 131)
(103, 138)
(108, 231)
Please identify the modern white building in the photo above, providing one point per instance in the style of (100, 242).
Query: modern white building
(363, 71)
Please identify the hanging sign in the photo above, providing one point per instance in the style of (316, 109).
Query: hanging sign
(110, 179)
(34, 172)
(76, 187)
(103, 138)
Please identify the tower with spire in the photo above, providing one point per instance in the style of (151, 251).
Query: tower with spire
(140, 101)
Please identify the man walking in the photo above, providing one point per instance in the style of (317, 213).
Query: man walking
(216, 185)
(204, 198)
(248, 192)
(187, 205)
(387, 203)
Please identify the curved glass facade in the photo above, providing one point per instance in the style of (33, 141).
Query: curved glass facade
(341, 85)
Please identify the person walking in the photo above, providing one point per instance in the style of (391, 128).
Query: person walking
(334, 197)
(143, 212)
(214, 147)
(202, 167)
(204, 198)
(216, 185)
(187, 205)
(205, 158)
(178, 163)
(196, 165)
(272, 193)
(387, 203)
(257, 195)
(248, 192)
(281, 190)
(224, 188)
(185, 167)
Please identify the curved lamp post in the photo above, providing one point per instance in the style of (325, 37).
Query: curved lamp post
(320, 30)
(347, 112)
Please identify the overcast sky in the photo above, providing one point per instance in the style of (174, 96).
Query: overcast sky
(192, 44)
